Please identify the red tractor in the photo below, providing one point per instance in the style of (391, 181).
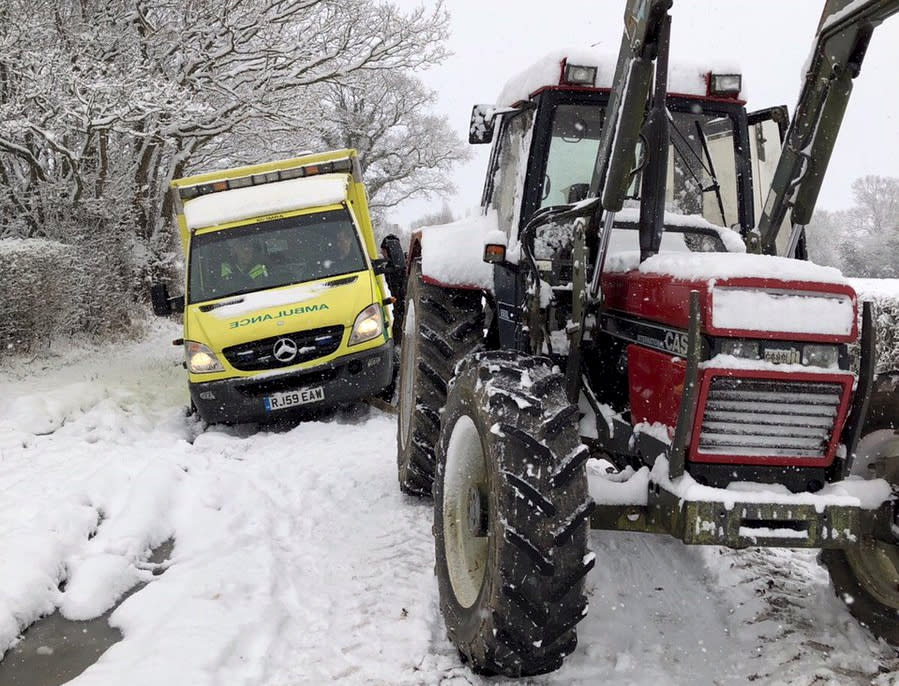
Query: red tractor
(630, 295)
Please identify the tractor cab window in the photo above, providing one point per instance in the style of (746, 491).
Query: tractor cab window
(702, 168)
(702, 162)
(572, 153)
(508, 180)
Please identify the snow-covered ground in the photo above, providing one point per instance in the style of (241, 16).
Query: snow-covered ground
(297, 561)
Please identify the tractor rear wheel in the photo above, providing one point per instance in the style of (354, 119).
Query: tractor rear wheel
(866, 576)
(441, 326)
(511, 508)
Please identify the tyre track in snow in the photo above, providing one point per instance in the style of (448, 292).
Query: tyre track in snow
(356, 554)
(800, 631)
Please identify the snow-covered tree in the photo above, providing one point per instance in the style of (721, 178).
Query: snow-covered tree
(863, 241)
(406, 151)
(103, 102)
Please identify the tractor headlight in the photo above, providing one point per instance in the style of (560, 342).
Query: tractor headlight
(821, 355)
(200, 359)
(725, 85)
(740, 348)
(578, 75)
(369, 324)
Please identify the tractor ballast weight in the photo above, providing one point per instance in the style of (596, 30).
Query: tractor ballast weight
(620, 316)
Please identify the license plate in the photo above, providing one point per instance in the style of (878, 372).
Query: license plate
(780, 356)
(278, 401)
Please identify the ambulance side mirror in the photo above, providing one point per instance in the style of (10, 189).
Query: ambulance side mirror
(163, 304)
(392, 250)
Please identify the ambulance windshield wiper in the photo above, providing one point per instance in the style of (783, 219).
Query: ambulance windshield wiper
(224, 303)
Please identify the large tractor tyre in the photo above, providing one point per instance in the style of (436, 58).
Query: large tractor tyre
(442, 326)
(866, 576)
(511, 511)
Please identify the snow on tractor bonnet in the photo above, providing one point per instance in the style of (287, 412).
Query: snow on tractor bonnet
(630, 337)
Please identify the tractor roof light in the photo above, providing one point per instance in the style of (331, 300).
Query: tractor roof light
(724, 85)
(577, 75)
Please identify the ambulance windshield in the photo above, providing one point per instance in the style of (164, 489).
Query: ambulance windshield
(274, 253)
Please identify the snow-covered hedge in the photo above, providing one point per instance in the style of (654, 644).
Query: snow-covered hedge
(51, 290)
(36, 292)
(884, 294)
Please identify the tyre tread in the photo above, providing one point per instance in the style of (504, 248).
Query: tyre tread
(537, 595)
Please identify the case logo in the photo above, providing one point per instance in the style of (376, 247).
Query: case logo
(675, 342)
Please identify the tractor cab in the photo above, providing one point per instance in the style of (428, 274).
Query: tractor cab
(552, 116)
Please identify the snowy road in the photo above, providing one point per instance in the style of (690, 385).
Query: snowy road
(297, 561)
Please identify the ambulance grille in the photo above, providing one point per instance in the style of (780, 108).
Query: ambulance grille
(769, 418)
(259, 355)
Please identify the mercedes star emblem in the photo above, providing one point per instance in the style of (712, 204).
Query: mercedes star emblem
(284, 350)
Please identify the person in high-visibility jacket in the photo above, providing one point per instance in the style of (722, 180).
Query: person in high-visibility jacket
(243, 262)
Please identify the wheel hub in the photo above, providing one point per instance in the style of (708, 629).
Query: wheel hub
(465, 512)
(477, 513)
(876, 563)
(408, 357)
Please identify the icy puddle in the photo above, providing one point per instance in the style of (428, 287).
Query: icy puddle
(55, 650)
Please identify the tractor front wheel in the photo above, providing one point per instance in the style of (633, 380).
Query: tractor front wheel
(866, 576)
(510, 516)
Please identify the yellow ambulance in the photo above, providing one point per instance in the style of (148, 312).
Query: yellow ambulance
(285, 303)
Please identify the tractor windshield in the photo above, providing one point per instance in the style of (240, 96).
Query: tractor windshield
(272, 254)
(702, 178)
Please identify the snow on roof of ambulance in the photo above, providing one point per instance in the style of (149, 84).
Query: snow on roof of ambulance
(700, 266)
(688, 78)
(270, 198)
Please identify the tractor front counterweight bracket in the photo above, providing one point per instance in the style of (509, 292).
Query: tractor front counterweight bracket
(746, 524)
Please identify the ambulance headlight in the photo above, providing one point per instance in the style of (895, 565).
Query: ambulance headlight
(200, 359)
(369, 324)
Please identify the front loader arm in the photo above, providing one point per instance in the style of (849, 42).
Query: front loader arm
(643, 24)
(842, 39)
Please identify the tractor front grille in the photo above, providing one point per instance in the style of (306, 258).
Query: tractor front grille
(769, 418)
(260, 355)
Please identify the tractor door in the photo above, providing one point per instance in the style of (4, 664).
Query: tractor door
(767, 130)
(503, 193)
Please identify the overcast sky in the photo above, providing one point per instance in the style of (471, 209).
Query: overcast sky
(492, 40)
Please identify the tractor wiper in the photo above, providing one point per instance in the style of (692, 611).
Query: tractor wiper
(710, 169)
